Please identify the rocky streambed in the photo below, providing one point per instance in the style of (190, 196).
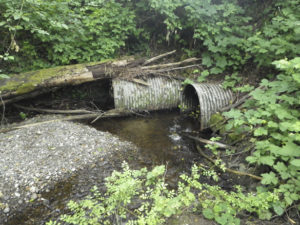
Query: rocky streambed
(36, 158)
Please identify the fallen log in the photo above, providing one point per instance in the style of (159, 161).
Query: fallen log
(31, 84)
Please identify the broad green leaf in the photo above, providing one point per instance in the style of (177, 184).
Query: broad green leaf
(264, 82)
(296, 77)
(279, 210)
(208, 213)
(260, 131)
(206, 60)
(267, 160)
(266, 215)
(205, 73)
(221, 62)
(216, 70)
(269, 178)
(284, 126)
(282, 169)
(289, 149)
(295, 126)
(233, 113)
(295, 162)
(251, 159)
(272, 124)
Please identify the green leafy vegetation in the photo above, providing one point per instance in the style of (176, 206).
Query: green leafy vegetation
(273, 116)
(252, 45)
(40, 34)
(157, 202)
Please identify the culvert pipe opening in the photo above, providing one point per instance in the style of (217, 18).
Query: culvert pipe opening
(190, 100)
(203, 100)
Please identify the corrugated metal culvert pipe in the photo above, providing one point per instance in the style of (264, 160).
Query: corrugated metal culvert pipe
(157, 93)
(205, 99)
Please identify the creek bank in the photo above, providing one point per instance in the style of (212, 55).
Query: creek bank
(34, 159)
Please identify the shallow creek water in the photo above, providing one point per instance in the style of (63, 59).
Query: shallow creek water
(159, 141)
(158, 137)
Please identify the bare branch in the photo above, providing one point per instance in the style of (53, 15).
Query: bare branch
(158, 57)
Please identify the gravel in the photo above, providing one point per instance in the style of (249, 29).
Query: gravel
(34, 158)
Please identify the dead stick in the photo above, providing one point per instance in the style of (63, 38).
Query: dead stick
(227, 169)
(158, 57)
(169, 64)
(78, 111)
(167, 75)
(205, 141)
(110, 113)
(241, 101)
(24, 96)
(176, 68)
(238, 103)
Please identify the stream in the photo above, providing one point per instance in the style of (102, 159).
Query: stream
(158, 139)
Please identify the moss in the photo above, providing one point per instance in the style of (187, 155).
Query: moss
(234, 137)
(28, 81)
(25, 88)
(216, 122)
(10, 85)
(45, 74)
